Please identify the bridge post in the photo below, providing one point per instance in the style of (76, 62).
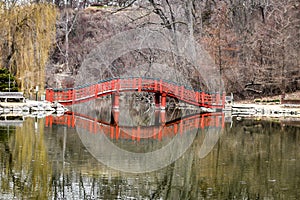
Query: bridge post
(160, 86)
(115, 100)
(47, 121)
(157, 101)
(163, 117)
(133, 134)
(139, 84)
(70, 95)
(156, 120)
(160, 117)
(223, 120)
(223, 99)
(50, 121)
(117, 132)
(73, 95)
(114, 117)
(160, 134)
(73, 120)
(49, 94)
(114, 122)
(216, 118)
(160, 100)
(155, 85)
(154, 133)
(202, 98)
(181, 127)
(217, 99)
(202, 122)
(163, 101)
(96, 90)
(175, 129)
(181, 92)
(69, 120)
(112, 132)
(118, 85)
(138, 134)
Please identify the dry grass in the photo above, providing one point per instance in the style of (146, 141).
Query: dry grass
(294, 95)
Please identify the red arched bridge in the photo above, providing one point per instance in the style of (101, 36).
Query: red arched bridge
(161, 88)
(158, 132)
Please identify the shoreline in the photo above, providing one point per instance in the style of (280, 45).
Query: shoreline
(271, 107)
(266, 111)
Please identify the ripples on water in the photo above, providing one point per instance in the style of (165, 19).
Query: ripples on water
(250, 160)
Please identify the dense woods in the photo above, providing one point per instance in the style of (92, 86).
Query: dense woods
(254, 44)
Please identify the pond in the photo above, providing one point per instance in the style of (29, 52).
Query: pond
(193, 157)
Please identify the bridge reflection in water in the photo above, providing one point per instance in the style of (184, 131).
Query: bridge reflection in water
(158, 131)
(143, 148)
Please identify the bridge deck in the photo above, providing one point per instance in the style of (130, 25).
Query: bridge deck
(81, 94)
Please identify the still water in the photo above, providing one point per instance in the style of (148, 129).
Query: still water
(211, 158)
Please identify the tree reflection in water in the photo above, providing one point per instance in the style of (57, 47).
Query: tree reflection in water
(253, 159)
(25, 169)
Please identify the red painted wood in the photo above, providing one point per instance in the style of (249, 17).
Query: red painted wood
(73, 120)
(118, 85)
(217, 122)
(140, 85)
(116, 100)
(133, 134)
(112, 130)
(116, 132)
(138, 135)
(154, 132)
(95, 126)
(50, 121)
(181, 127)
(163, 117)
(182, 92)
(175, 129)
(79, 95)
(202, 123)
(96, 90)
(47, 95)
(157, 100)
(223, 120)
(218, 99)
(69, 120)
(163, 102)
(160, 134)
(47, 121)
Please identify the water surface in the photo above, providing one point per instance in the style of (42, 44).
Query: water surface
(249, 159)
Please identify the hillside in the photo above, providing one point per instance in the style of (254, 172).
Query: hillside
(252, 45)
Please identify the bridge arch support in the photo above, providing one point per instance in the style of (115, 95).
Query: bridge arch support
(160, 100)
(115, 86)
(115, 98)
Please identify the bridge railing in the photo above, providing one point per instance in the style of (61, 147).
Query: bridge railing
(79, 94)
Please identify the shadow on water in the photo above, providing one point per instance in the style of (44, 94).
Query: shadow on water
(252, 159)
